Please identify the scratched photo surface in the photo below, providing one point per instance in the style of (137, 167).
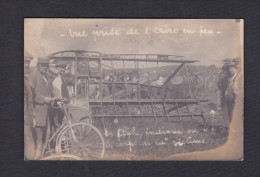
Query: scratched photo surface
(133, 89)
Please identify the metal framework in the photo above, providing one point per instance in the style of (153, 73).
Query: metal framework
(84, 80)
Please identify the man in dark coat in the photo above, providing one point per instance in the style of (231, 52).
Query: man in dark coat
(223, 81)
(43, 97)
(29, 146)
(232, 90)
(229, 83)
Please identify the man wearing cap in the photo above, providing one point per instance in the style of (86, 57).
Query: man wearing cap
(59, 90)
(43, 97)
(29, 146)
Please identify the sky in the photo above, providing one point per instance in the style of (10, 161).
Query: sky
(209, 41)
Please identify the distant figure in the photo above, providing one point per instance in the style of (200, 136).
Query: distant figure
(106, 87)
(160, 81)
(195, 84)
(175, 88)
(95, 94)
(108, 78)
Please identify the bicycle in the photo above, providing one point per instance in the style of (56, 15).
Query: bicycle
(76, 135)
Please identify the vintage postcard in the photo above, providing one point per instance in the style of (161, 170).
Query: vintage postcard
(133, 89)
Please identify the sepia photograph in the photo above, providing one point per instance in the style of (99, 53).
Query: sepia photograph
(133, 89)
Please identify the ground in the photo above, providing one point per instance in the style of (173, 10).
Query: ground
(150, 138)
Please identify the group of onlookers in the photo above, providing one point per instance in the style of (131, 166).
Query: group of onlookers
(42, 87)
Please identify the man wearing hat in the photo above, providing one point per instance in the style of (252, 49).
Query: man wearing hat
(223, 80)
(59, 90)
(42, 96)
(237, 62)
(29, 146)
(231, 90)
(56, 75)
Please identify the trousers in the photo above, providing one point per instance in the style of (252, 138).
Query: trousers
(29, 144)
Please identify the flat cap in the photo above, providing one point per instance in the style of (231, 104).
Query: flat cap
(227, 60)
(63, 65)
(58, 63)
(27, 56)
(236, 60)
(43, 60)
(230, 65)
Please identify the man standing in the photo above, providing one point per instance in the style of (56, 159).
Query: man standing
(223, 81)
(29, 146)
(42, 95)
(231, 92)
(59, 90)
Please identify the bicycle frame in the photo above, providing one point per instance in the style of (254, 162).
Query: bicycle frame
(66, 123)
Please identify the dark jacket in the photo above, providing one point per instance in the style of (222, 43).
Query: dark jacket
(28, 103)
(41, 88)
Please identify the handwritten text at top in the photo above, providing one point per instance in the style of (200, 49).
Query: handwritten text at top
(106, 32)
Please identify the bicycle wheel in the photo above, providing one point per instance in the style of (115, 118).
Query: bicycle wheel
(83, 140)
(79, 114)
(61, 157)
